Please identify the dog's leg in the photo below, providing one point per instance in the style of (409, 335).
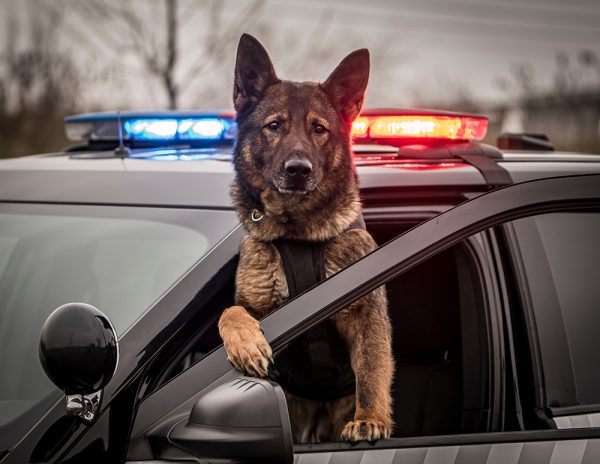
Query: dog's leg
(366, 327)
(244, 342)
(260, 288)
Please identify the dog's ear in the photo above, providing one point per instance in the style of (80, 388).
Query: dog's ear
(253, 73)
(347, 83)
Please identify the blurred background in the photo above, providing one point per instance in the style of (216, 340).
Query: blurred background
(530, 65)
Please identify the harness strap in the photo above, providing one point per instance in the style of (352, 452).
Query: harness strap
(304, 261)
(303, 264)
(316, 365)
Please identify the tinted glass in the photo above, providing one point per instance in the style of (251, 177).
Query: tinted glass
(561, 253)
(120, 260)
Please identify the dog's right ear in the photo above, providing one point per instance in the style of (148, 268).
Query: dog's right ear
(347, 83)
(253, 73)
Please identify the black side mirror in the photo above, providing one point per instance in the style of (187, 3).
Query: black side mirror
(243, 420)
(79, 353)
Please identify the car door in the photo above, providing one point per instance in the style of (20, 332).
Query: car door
(175, 399)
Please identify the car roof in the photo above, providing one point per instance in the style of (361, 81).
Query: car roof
(201, 177)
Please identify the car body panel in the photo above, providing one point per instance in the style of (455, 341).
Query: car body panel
(181, 189)
(528, 170)
(583, 451)
(204, 183)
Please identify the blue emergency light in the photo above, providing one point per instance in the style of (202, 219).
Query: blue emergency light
(153, 128)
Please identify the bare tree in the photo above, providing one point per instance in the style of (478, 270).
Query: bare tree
(124, 30)
(520, 84)
(39, 85)
(210, 58)
(590, 60)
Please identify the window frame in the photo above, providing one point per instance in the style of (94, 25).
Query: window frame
(480, 247)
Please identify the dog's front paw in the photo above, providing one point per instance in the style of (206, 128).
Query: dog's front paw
(369, 430)
(244, 342)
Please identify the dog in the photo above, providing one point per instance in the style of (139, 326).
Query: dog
(295, 181)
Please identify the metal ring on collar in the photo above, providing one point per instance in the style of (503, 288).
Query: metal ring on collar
(256, 218)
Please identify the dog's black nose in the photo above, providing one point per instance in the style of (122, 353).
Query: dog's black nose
(298, 168)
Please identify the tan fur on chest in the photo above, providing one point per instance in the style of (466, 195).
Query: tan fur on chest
(261, 285)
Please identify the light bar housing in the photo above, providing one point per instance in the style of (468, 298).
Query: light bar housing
(154, 128)
(393, 127)
(397, 126)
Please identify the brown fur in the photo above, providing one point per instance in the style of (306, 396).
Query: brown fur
(321, 208)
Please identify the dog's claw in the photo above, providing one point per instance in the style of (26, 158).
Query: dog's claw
(272, 372)
(368, 430)
(249, 353)
(250, 362)
(244, 342)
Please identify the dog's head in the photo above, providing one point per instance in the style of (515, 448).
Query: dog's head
(294, 138)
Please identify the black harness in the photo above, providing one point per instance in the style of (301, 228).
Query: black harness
(315, 365)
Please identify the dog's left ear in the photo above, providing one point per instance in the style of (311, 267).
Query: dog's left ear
(253, 73)
(347, 83)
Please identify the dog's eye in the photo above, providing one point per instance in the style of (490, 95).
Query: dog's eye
(319, 129)
(273, 126)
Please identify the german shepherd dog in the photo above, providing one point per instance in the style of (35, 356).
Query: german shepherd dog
(295, 179)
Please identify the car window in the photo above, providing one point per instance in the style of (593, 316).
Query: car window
(560, 253)
(117, 259)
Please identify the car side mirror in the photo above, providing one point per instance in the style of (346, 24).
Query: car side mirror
(243, 420)
(79, 353)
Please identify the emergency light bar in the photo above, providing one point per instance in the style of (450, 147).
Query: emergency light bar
(390, 125)
(394, 127)
(153, 128)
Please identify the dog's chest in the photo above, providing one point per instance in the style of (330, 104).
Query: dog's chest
(316, 365)
(261, 283)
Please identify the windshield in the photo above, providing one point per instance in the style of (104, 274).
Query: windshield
(119, 259)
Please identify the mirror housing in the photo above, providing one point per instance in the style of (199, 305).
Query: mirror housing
(79, 353)
(243, 420)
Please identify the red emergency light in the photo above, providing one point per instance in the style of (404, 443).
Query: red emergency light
(389, 125)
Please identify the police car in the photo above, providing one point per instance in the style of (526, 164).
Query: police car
(489, 256)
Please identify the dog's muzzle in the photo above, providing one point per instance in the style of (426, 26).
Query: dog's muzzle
(298, 169)
(297, 176)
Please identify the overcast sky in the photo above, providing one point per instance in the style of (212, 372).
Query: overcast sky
(421, 49)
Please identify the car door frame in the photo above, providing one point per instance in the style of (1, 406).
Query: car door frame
(176, 398)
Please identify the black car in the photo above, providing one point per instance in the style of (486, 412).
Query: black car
(489, 257)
